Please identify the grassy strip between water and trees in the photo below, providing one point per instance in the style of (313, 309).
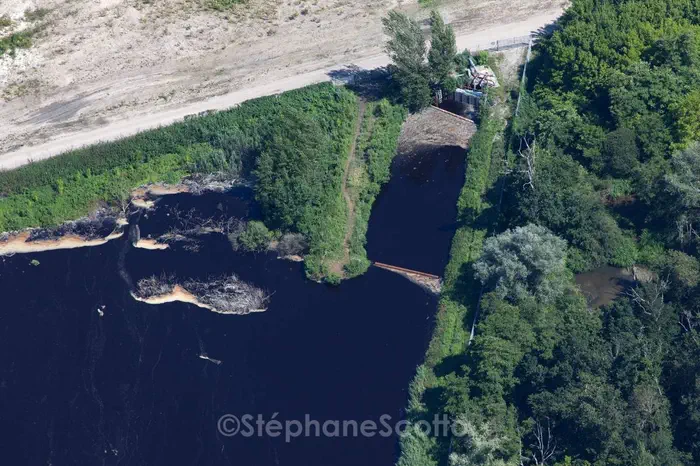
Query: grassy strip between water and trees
(603, 169)
(477, 212)
(371, 168)
(293, 147)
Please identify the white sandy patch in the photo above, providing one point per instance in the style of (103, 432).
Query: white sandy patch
(19, 245)
(142, 203)
(179, 294)
(151, 244)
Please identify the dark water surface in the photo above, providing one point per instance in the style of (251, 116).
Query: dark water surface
(129, 388)
(413, 218)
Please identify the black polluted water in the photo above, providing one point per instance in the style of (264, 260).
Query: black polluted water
(90, 376)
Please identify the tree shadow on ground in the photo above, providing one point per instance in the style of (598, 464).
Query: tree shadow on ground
(371, 85)
(450, 364)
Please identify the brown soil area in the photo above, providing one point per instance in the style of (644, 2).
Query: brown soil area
(434, 127)
(18, 244)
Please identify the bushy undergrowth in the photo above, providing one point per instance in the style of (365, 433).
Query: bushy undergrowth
(460, 292)
(222, 5)
(375, 151)
(292, 146)
(16, 40)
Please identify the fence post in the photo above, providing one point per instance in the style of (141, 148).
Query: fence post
(522, 81)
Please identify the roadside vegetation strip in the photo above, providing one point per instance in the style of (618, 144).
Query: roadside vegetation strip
(293, 147)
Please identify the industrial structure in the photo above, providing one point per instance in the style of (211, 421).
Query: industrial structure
(466, 99)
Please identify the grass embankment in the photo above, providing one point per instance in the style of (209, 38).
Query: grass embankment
(293, 147)
(477, 215)
(370, 169)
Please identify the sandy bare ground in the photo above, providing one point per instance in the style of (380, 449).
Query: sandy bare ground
(179, 294)
(104, 69)
(19, 245)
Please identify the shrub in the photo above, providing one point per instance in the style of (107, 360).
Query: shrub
(255, 237)
(17, 40)
(621, 152)
(651, 252)
(684, 269)
(357, 266)
(625, 251)
(526, 260)
(479, 162)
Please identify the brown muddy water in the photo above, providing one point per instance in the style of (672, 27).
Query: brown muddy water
(603, 285)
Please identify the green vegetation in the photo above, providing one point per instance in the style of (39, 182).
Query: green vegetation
(413, 76)
(375, 150)
(74, 196)
(5, 22)
(604, 155)
(524, 261)
(256, 237)
(407, 49)
(223, 5)
(17, 40)
(21, 39)
(443, 53)
(293, 146)
(299, 176)
(459, 300)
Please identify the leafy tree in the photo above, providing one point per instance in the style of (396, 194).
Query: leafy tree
(683, 185)
(676, 51)
(621, 152)
(503, 338)
(688, 117)
(526, 260)
(290, 170)
(443, 53)
(565, 202)
(478, 445)
(416, 447)
(256, 236)
(406, 48)
(684, 270)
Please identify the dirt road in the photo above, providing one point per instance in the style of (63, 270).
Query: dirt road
(112, 95)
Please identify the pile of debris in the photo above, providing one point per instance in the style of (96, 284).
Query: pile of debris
(480, 78)
(100, 223)
(228, 295)
(155, 286)
(225, 295)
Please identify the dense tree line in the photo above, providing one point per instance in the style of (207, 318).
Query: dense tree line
(605, 171)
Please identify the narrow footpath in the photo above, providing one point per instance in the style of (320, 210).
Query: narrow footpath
(337, 266)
